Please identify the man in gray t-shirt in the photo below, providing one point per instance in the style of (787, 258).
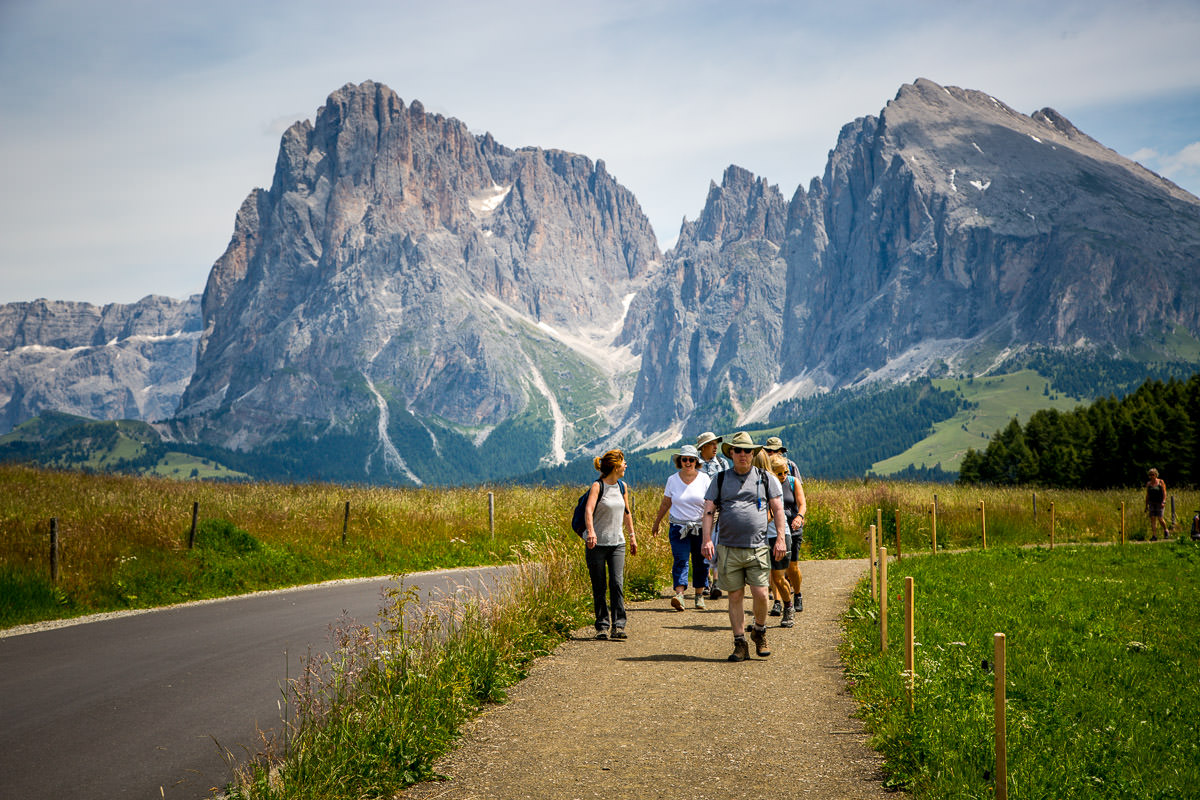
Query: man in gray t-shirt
(745, 494)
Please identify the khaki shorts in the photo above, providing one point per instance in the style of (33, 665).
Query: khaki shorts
(739, 567)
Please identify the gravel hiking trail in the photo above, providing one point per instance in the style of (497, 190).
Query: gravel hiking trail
(664, 714)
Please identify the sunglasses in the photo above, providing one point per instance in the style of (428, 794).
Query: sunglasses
(686, 460)
(740, 450)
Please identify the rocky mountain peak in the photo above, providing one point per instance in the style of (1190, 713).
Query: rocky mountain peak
(742, 206)
(400, 264)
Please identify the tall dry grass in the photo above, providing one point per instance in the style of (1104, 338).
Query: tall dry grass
(124, 539)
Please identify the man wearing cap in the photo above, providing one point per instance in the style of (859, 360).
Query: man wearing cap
(710, 465)
(744, 493)
(775, 445)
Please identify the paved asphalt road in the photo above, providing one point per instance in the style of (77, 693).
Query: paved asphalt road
(130, 706)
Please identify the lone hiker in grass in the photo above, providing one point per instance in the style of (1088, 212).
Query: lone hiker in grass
(1156, 499)
(604, 513)
(744, 493)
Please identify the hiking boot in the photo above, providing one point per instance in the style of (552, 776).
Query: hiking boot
(741, 650)
(714, 593)
(776, 609)
(798, 601)
(619, 633)
(760, 642)
(602, 633)
(677, 602)
(789, 617)
(700, 602)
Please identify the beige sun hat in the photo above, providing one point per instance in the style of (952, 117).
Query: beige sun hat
(740, 439)
(687, 451)
(774, 445)
(706, 438)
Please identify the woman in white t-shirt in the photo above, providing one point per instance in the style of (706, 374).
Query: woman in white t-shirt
(684, 498)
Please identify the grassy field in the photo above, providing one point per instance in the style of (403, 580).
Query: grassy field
(1000, 399)
(1102, 683)
(374, 715)
(124, 539)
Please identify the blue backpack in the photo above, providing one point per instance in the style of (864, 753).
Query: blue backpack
(577, 521)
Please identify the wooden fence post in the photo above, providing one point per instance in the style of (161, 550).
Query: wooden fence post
(1001, 733)
(346, 522)
(492, 514)
(195, 517)
(874, 558)
(1122, 522)
(983, 522)
(909, 645)
(899, 554)
(1035, 508)
(54, 549)
(933, 524)
(883, 599)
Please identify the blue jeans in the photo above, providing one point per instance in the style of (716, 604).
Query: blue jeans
(683, 548)
(606, 566)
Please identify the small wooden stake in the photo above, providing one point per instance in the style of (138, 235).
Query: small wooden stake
(192, 532)
(874, 558)
(983, 523)
(1001, 733)
(1035, 508)
(492, 514)
(933, 524)
(54, 549)
(909, 645)
(899, 554)
(1122, 522)
(346, 522)
(883, 599)
(1052, 526)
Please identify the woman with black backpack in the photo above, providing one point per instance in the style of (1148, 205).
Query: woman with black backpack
(604, 512)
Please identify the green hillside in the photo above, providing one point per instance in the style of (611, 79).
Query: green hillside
(65, 441)
(999, 399)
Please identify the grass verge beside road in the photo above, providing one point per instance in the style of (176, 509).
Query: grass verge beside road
(373, 716)
(1103, 685)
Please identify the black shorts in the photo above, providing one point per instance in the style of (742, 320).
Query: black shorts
(796, 538)
(781, 563)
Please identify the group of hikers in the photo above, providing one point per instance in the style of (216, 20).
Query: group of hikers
(736, 524)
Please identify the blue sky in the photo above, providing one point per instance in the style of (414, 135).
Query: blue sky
(130, 132)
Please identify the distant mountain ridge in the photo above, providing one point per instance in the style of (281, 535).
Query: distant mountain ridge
(424, 302)
(122, 360)
(946, 234)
